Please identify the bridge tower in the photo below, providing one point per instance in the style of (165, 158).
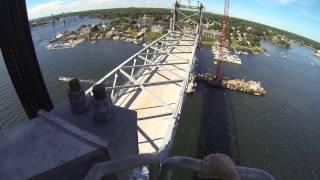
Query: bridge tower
(53, 19)
(63, 19)
(191, 23)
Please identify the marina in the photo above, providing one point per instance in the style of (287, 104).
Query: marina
(227, 56)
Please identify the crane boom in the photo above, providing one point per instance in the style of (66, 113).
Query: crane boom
(223, 37)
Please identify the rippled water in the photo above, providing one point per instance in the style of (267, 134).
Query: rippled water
(278, 132)
(87, 61)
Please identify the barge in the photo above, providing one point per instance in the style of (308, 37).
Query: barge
(250, 87)
(227, 57)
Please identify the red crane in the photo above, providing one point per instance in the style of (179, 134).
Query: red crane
(223, 37)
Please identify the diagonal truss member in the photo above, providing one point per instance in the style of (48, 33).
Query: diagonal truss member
(161, 67)
(171, 110)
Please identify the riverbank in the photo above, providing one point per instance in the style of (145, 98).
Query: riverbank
(86, 32)
(206, 43)
(249, 50)
(317, 53)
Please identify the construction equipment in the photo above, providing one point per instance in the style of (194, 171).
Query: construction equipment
(218, 72)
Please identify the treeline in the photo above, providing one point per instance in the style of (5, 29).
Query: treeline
(263, 30)
(132, 13)
(162, 14)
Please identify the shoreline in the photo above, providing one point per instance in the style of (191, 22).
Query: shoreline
(249, 50)
(88, 32)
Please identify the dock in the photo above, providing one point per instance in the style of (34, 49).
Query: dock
(227, 57)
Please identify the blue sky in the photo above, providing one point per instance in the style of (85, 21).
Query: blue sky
(298, 16)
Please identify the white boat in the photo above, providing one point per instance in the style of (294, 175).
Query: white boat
(234, 59)
(227, 57)
(49, 47)
(59, 35)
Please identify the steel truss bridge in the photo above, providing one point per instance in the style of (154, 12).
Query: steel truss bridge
(153, 81)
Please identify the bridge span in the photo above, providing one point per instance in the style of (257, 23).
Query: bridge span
(153, 83)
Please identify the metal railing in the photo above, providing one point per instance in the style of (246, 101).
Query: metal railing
(165, 170)
(197, 165)
(100, 170)
(178, 108)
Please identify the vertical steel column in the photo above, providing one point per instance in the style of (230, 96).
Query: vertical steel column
(154, 54)
(114, 84)
(20, 57)
(53, 23)
(134, 64)
(201, 20)
(175, 15)
(147, 54)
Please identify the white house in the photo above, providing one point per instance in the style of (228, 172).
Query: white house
(211, 33)
(144, 30)
(157, 28)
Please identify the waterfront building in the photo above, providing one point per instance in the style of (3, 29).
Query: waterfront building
(157, 28)
(211, 33)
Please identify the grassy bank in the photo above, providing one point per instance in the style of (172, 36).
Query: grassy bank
(207, 43)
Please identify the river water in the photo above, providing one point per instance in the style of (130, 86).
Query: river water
(87, 61)
(278, 132)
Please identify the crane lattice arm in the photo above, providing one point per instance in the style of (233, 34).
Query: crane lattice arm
(223, 37)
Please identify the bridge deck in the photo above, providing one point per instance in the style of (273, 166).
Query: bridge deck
(156, 105)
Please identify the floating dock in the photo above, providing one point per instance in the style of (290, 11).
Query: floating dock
(250, 87)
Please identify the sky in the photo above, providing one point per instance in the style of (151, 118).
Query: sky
(298, 16)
